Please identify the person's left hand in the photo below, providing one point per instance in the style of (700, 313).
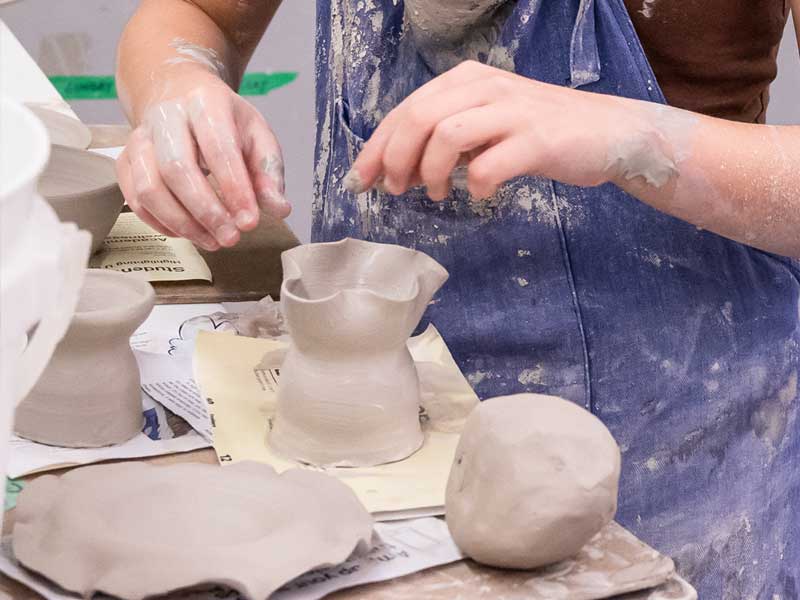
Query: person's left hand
(503, 125)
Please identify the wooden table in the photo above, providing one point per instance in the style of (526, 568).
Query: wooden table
(249, 272)
(460, 580)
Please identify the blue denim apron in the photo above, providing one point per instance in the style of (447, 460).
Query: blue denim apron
(686, 344)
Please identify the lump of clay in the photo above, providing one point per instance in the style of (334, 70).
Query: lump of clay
(133, 530)
(349, 391)
(534, 478)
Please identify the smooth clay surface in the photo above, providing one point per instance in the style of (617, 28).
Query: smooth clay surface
(89, 395)
(82, 188)
(349, 391)
(133, 530)
(534, 479)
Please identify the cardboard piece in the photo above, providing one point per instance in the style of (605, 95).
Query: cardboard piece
(235, 376)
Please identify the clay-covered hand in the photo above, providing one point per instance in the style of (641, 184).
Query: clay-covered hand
(503, 126)
(200, 126)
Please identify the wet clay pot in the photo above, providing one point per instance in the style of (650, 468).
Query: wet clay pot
(82, 188)
(89, 395)
(349, 391)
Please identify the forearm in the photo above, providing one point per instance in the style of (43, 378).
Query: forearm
(169, 36)
(738, 180)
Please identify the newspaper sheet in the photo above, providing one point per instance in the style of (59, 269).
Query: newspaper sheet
(134, 247)
(398, 549)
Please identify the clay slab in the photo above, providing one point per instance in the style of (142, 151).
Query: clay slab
(162, 529)
(82, 188)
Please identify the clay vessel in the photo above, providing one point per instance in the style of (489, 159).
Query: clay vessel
(82, 188)
(63, 129)
(349, 391)
(89, 395)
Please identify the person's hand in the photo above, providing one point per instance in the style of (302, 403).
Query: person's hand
(199, 126)
(503, 126)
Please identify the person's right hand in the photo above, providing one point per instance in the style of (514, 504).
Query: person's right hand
(200, 126)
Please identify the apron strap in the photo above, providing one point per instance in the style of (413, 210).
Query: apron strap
(584, 59)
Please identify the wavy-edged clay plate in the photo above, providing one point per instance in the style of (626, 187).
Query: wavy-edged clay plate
(63, 129)
(134, 530)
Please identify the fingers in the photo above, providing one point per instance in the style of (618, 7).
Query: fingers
(176, 155)
(124, 178)
(368, 166)
(509, 158)
(264, 160)
(407, 143)
(212, 122)
(454, 139)
(150, 195)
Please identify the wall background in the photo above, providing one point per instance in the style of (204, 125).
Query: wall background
(78, 37)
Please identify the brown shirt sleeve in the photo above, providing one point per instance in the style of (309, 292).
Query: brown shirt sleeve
(716, 57)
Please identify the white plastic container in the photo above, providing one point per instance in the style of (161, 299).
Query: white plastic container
(42, 263)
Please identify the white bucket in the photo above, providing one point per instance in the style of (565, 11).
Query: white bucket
(42, 263)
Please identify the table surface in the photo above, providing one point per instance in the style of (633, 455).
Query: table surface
(249, 272)
(464, 579)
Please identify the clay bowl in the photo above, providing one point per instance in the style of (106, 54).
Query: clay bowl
(64, 130)
(82, 188)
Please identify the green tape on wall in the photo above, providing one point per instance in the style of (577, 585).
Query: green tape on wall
(261, 84)
(102, 87)
(85, 87)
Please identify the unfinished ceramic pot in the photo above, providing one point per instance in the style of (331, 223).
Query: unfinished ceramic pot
(534, 479)
(133, 530)
(349, 391)
(82, 188)
(89, 395)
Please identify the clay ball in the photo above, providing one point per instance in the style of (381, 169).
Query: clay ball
(534, 478)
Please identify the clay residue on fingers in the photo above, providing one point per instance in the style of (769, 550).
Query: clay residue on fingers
(271, 199)
(353, 182)
(272, 166)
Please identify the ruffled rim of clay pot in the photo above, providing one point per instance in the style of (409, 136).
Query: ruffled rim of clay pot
(97, 162)
(140, 300)
(34, 165)
(415, 291)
